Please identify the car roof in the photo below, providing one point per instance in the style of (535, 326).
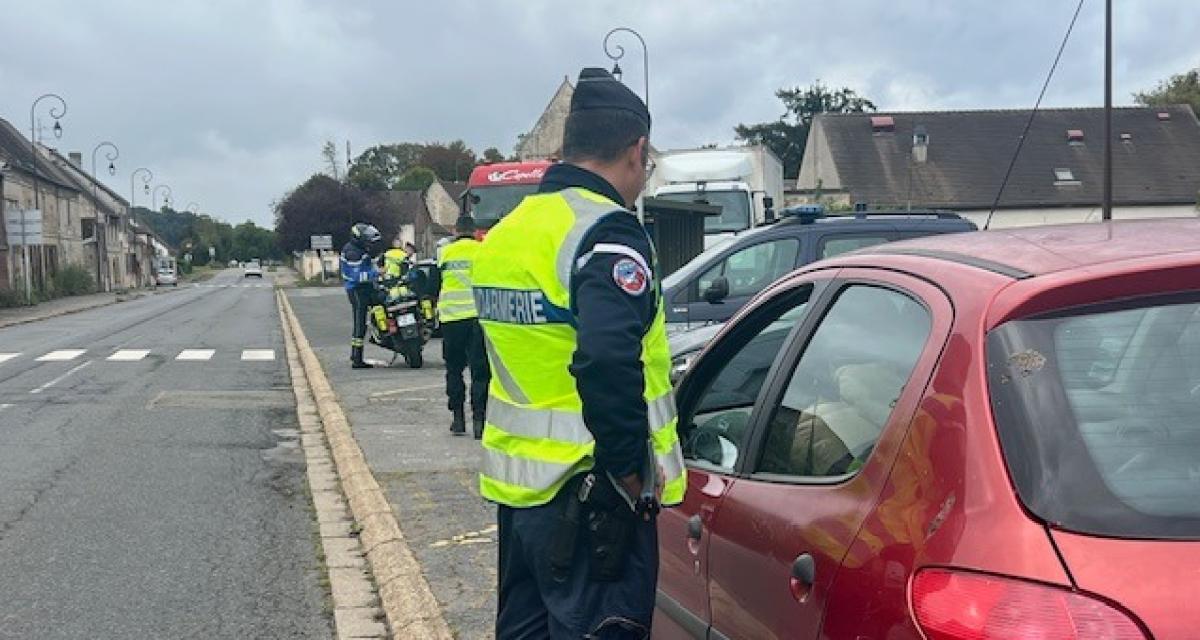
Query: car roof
(870, 221)
(1033, 251)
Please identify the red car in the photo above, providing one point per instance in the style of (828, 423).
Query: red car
(984, 435)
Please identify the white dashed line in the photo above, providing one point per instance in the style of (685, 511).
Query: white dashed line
(5, 406)
(258, 354)
(5, 357)
(195, 354)
(129, 355)
(62, 355)
(60, 378)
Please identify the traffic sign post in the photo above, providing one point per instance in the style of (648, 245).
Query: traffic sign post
(320, 243)
(24, 229)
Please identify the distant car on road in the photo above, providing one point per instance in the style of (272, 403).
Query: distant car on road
(165, 277)
(715, 284)
(252, 270)
(982, 435)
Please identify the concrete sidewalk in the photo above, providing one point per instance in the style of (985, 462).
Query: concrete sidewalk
(71, 304)
(399, 419)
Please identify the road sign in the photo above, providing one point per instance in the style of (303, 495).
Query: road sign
(321, 242)
(23, 226)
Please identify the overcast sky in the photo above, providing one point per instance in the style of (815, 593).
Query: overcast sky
(229, 102)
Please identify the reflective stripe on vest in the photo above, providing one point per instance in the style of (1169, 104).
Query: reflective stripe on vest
(456, 302)
(535, 437)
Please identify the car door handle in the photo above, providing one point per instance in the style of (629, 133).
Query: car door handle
(804, 569)
(695, 527)
(804, 573)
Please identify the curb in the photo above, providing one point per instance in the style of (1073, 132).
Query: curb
(405, 595)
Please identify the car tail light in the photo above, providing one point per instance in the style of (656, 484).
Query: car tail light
(955, 605)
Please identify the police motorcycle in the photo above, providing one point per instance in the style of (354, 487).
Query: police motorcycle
(397, 321)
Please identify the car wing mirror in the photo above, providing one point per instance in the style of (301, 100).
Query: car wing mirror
(717, 291)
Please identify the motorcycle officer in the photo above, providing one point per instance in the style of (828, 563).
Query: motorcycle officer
(359, 275)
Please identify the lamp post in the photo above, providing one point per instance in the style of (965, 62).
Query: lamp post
(101, 234)
(166, 198)
(145, 183)
(616, 52)
(56, 112)
(193, 207)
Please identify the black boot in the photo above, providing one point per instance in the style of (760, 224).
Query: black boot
(356, 359)
(459, 425)
(477, 423)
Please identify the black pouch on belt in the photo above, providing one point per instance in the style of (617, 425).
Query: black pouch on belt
(561, 551)
(610, 524)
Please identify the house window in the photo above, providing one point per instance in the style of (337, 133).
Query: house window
(1064, 175)
(87, 229)
(1075, 137)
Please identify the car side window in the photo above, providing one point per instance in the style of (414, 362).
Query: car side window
(718, 428)
(841, 393)
(751, 269)
(834, 246)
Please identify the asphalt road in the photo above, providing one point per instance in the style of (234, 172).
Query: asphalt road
(400, 421)
(151, 492)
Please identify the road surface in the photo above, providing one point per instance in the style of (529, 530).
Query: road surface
(151, 485)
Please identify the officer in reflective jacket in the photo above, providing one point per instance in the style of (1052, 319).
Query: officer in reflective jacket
(359, 275)
(580, 443)
(462, 341)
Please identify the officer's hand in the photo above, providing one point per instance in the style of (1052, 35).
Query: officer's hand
(633, 485)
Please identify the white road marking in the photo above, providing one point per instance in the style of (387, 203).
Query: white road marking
(258, 354)
(5, 357)
(129, 355)
(5, 406)
(60, 378)
(195, 354)
(62, 355)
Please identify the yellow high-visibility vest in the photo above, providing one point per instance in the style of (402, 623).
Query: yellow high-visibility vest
(535, 438)
(455, 301)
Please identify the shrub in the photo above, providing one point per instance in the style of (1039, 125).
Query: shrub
(72, 280)
(10, 298)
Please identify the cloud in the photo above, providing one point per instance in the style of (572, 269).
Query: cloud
(229, 102)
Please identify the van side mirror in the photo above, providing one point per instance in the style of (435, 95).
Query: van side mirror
(717, 291)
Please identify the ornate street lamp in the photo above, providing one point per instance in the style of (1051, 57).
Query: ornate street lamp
(56, 112)
(193, 207)
(166, 198)
(149, 175)
(616, 52)
(112, 153)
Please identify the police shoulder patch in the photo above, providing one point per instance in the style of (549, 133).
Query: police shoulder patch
(630, 276)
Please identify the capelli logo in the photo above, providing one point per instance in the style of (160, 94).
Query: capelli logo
(513, 175)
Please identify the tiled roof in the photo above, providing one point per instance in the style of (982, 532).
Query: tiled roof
(15, 149)
(1156, 159)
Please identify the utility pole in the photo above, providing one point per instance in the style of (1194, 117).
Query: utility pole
(1106, 214)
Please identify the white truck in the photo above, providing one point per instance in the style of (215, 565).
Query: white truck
(746, 182)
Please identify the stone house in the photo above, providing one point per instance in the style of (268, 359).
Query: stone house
(443, 200)
(544, 141)
(957, 160)
(97, 202)
(58, 198)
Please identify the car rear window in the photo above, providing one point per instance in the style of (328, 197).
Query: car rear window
(1098, 413)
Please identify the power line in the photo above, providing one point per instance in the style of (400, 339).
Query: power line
(1036, 106)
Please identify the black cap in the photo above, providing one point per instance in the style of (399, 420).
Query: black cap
(465, 224)
(597, 89)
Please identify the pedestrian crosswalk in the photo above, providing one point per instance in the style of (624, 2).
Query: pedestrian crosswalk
(137, 355)
(244, 285)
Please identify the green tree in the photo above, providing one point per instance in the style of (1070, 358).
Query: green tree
(415, 179)
(788, 136)
(452, 161)
(1181, 88)
(379, 167)
(492, 155)
(329, 153)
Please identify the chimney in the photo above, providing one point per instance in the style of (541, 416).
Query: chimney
(76, 158)
(920, 148)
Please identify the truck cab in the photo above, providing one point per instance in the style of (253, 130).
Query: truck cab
(745, 182)
(494, 190)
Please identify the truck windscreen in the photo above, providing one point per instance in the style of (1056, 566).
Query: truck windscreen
(735, 208)
(495, 202)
